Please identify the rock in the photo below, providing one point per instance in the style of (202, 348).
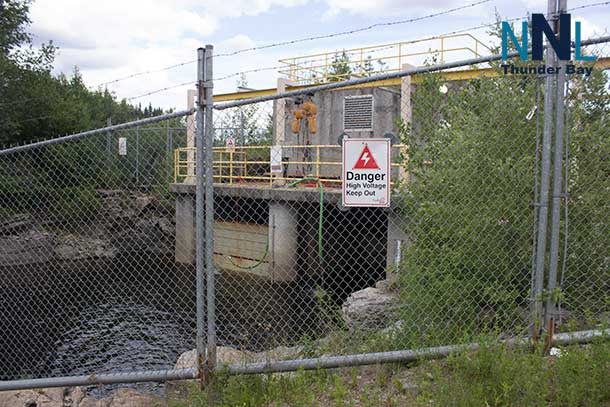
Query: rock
(74, 247)
(124, 397)
(33, 398)
(383, 285)
(367, 309)
(26, 248)
(74, 397)
(227, 355)
(281, 353)
(142, 201)
(15, 224)
(145, 236)
(166, 226)
(120, 206)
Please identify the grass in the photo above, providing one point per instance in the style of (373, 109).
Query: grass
(494, 375)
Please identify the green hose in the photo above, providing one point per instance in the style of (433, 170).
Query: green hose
(258, 262)
(320, 222)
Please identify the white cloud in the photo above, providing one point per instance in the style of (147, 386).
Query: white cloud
(235, 43)
(386, 7)
(113, 39)
(113, 23)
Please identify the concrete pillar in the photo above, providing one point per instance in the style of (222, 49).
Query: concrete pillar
(283, 241)
(185, 229)
(190, 138)
(279, 115)
(406, 113)
(397, 237)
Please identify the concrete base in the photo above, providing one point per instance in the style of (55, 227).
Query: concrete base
(283, 241)
(272, 250)
(268, 251)
(185, 229)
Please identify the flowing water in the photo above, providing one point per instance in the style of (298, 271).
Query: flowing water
(83, 317)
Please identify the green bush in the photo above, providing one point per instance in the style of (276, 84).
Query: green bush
(468, 206)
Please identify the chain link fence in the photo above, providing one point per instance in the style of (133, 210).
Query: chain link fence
(98, 237)
(87, 247)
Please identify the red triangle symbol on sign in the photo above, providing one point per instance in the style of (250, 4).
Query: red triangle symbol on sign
(366, 161)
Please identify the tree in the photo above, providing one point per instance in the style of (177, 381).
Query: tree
(36, 105)
(340, 68)
(247, 125)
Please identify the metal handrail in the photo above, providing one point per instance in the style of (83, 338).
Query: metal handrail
(231, 164)
(315, 68)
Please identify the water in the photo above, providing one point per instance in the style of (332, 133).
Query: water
(120, 315)
(83, 317)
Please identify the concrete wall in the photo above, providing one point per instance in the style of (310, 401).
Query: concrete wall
(387, 108)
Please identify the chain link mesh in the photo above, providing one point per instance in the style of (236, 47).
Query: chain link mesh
(88, 278)
(585, 266)
(97, 236)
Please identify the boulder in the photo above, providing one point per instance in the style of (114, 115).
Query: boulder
(33, 398)
(227, 355)
(368, 309)
(74, 397)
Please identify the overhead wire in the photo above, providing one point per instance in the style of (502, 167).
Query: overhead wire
(272, 45)
(312, 38)
(350, 32)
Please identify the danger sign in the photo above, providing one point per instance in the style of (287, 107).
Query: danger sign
(366, 172)
(230, 144)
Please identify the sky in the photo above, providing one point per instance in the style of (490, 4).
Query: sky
(113, 39)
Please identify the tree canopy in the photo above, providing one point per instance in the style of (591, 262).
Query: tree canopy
(34, 103)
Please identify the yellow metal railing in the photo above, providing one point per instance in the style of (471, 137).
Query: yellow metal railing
(318, 68)
(252, 164)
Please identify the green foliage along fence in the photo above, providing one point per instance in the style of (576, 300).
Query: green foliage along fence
(469, 207)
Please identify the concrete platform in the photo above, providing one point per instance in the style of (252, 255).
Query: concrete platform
(264, 192)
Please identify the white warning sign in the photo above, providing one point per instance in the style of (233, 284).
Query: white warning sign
(276, 159)
(230, 144)
(366, 172)
(122, 146)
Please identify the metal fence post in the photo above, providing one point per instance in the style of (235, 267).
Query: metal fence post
(109, 150)
(537, 305)
(209, 207)
(138, 157)
(169, 148)
(550, 311)
(199, 208)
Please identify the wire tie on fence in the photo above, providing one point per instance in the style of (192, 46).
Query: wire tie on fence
(529, 116)
(564, 195)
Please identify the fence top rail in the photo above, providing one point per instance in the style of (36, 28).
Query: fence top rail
(88, 133)
(388, 75)
(297, 92)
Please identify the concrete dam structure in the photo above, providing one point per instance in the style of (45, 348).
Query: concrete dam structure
(269, 228)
